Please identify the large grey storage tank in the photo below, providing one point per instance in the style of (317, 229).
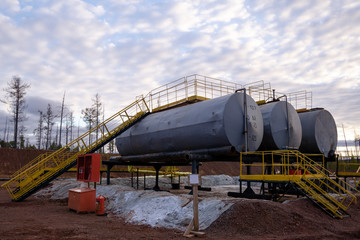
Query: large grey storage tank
(282, 127)
(214, 123)
(319, 132)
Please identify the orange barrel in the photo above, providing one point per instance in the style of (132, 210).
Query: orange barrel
(100, 206)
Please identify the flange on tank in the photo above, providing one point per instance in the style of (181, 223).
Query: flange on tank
(319, 133)
(208, 124)
(282, 127)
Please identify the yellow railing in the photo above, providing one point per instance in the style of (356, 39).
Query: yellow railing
(31, 163)
(300, 99)
(187, 88)
(333, 208)
(280, 164)
(34, 174)
(168, 171)
(259, 91)
(201, 87)
(293, 166)
(348, 167)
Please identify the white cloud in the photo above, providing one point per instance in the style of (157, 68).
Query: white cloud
(9, 6)
(121, 49)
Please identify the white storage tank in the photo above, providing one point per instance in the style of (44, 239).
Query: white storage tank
(319, 132)
(214, 123)
(282, 127)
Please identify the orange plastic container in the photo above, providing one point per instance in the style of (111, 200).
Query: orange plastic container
(100, 205)
(82, 199)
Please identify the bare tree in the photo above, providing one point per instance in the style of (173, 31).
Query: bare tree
(56, 135)
(61, 118)
(22, 131)
(49, 123)
(6, 121)
(111, 146)
(71, 125)
(38, 130)
(67, 130)
(97, 105)
(7, 133)
(16, 91)
(89, 118)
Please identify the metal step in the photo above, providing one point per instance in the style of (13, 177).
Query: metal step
(34, 177)
(320, 200)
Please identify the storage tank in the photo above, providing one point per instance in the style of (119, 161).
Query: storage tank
(282, 127)
(208, 124)
(319, 132)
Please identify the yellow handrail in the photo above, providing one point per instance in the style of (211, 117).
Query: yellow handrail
(292, 165)
(35, 173)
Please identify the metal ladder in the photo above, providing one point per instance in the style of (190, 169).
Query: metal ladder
(316, 184)
(36, 173)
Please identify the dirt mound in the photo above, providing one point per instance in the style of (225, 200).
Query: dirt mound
(246, 219)
(297, 219)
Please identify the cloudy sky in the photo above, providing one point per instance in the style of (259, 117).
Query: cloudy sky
(122, 48)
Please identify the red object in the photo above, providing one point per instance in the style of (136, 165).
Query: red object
(295, 172)
(100, 205)
(88, 167)
(82, 199)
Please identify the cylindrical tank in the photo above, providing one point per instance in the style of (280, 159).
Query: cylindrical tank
(208, 124)
(282, 127)
(319, 133)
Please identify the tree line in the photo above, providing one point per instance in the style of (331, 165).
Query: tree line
(47, 137)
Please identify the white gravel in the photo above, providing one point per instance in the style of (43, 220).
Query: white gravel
(157, 209)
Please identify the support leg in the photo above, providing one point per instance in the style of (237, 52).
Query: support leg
(248, 172)
(137, 179)
(109, 166)
(157, 169)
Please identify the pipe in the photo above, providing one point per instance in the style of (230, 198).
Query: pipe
(287, 118)
(200, 155)
(245, 118)
(273, 94)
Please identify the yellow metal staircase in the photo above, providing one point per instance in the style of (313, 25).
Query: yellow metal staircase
(322, 187)
(36, 173)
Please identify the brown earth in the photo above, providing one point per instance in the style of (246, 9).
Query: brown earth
(13, 159)
(37, 218)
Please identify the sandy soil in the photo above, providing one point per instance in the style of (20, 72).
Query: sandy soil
(37, 218)
(42, 219)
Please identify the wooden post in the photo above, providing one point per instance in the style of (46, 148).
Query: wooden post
(196, 207)
(193, 228)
